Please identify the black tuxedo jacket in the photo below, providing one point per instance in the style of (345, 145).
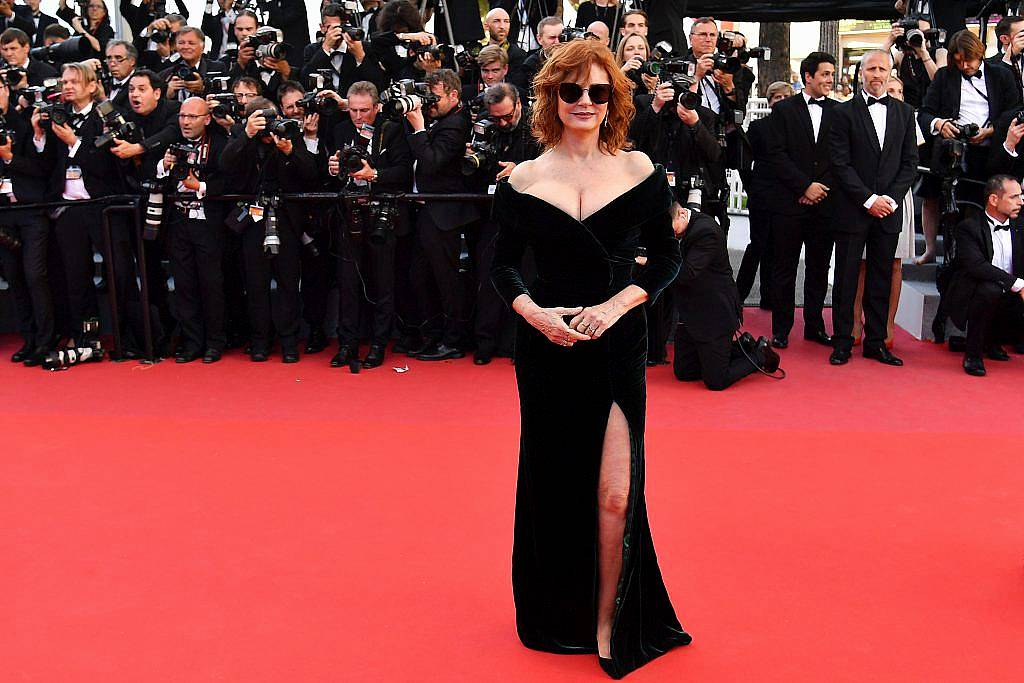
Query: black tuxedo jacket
(30, 171)
(314, 58)
(438, 152)
(705, 292)
(101, 171)
(159, 129)
(214, 174)
(861, 168)
(972, 264)
(796, 159)
(943, 97)
(38, 72)
(120, 99)
(36, 33)
(290, 17)
(19, 21)
(204, 68)
(389, 153)
(761, 181)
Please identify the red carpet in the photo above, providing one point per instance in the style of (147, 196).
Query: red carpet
(297, 523)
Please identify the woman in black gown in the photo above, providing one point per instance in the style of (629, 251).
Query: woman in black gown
(584, 572)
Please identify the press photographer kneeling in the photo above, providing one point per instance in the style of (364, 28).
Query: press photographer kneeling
(501, 138)
(710, 310)
(373, 157)
(195, 232)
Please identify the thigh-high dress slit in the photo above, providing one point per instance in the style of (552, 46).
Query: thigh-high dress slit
(565, 396)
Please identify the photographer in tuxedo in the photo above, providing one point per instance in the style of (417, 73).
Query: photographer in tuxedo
(967, 91)
(802, 203)
(710, 310)
(30, 11)
(986, 292)
(366, 258)
(873, 144)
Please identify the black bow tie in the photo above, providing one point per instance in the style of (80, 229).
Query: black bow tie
(883, 100)
(820, 103)
(977, 74)
(999, 226)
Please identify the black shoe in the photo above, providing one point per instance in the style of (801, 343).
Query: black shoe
(211, 356)
(766, 356)
(289, 355)
(996, 353)
(484, 358)
(375, 356)
(839, 357)
(37, 356)
(21, 354)
(780, 341)
(259, 356)
(819, 337)
(747, 343)
(974, 366)
(187, 357)
(939, 330)
(440, 352)
(316, 342)
(405, 343)
(882, 355)
(344, 356)
(423, 347)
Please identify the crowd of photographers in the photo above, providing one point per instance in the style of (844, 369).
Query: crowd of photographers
(244, 106)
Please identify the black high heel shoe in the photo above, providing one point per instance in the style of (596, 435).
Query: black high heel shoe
(609, 667)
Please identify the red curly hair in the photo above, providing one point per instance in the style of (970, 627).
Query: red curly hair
(567, 62)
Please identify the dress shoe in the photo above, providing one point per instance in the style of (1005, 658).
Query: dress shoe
(747, 343)
(316, 342)
(780, 341)
(819, 337)
(211, 356)
(344, 356)
(766, 356)
(289, 355)
(839, 357)
(37, 356)
(375, 356)
(484, 358)
(259, 356)
(21, 354)
(882, 355)
(186, 356)
(939, 330)
(406, 342)
(974, 366)
(424, 346)
(996, 353)
(440, 352)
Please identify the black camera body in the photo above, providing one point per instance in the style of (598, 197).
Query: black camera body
(729, 64)
(217, 82)
(74, 49)
(465, 56)
(284, 128)
(914, 37)
(115, 126)
(405, 95)
(352, 156)
(227, 105)
(54, 112)
(571, 33)
(369, 218)
(268, 42)
(483, 146)
(185, 72)
(188, 157)
(415, 48)
(12, 76)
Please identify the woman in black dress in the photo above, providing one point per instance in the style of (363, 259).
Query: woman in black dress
(584, 572)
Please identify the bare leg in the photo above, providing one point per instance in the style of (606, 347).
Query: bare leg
(612, 501)
(894, 298)
(930, 227)
(858, 305)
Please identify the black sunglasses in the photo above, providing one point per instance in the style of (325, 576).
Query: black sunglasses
(570, 93)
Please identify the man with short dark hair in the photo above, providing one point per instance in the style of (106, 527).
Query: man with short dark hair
(986, 289)
(801, 203)
(549, 30)
(15, 48)
(438, 150)
(10, 19)
(268, 71)
(1010, 34)
(345, 58)
(634, 21)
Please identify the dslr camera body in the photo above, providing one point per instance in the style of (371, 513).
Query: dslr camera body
(352, 156)
(914, 37)
(484, 146)
(284, 128)
(227, 105)
(115, 126)
(314, 102)
(268, 43)
(405, 95)
(727, 47)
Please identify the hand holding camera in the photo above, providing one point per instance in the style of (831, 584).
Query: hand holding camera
(255, 124)
(284, 145)
(64, 133)
(415, 116)
(1014, 133)
(687, 115)
(366, 173)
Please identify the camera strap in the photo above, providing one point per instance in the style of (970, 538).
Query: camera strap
(970, 82)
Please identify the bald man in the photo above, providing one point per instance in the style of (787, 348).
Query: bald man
(195, 231)
(873, 145)
(599, 31)
(498, 24)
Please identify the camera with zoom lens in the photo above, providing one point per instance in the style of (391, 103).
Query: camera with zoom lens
(74, 49)
(185, 72)
(729, 64)
(914, 38)
(115, 126)
(12, 76)
(483, 147)
(284, 128)
(314, 101)
(226, 105)
(154, 191)
(416, 48)
(268, 42)
(693, 188)
(681, 92)
(54, 112)
(571, 33)
(90, 351)
(373, 219)
(465, 56)
(661, 69)
(188, 157)
(217, 83)
(404, 96)
(351, 156)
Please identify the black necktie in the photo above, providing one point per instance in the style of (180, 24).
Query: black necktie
(820, 103)
(884, 100)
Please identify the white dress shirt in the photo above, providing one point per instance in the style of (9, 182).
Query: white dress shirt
(878, 112)
(1002, 249)
(815, 112)
(708, 94)
(74, 187)
(973, 105)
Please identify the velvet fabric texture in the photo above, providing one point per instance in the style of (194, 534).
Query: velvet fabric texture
(565, 395)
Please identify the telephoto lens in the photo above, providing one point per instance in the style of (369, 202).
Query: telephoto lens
(271, 238)
(154, 210)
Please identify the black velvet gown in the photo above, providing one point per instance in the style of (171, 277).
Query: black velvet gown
(565, 395)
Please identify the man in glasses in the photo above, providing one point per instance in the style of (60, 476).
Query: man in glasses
(195, 231)
(121, 59)
(510, 115)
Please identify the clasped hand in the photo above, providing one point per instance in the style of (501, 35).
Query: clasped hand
(586, 323)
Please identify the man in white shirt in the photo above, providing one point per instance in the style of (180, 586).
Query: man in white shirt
(986, 290)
